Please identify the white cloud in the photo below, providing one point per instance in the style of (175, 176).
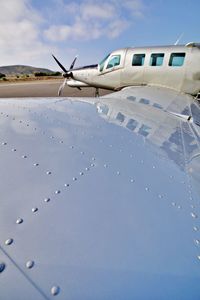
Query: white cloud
(20, 34)
(91, 20)
(28, 35)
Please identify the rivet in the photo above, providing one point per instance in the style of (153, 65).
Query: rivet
(72, 147)
(154, 167)
(81, 173)
(160, 196)
(179, 206)
(34, 209)
(55, 290)
(194, 215)
(198, 257)
(66, 184)
(87, 169)
(4, 143)
(8, 242)
(2, 267)
(118, 173)
(132, 180)
(30, 264)
(61, 142)
(19, 221)
(36, 165)
(82, 152)
(74, 178)
(173, 203)
(196, 228)
(46, 199)
(92, 165)
(51, 137)
(93, 158)
(197, 242)
(24, 156)
(14, 150)
(146, 189)
(192, 206)
(48, 173)
(57, 192)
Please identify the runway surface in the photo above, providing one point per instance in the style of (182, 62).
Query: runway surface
(43, 88)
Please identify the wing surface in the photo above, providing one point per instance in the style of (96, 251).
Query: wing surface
(100, 197)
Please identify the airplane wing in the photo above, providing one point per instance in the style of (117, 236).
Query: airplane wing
(100, 197)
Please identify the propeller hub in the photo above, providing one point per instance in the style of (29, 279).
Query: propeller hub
(68, 75)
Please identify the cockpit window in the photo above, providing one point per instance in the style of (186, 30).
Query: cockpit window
(102, 63)
(114, 61)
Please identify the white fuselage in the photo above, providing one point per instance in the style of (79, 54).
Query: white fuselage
(174, 67)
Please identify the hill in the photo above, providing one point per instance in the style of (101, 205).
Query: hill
(20, 70)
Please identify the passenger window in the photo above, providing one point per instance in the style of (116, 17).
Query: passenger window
(144, 101)
(177, 59)
(120, 117)
(138, 59)
(157, 59)
(132, 124)
(144, 130)
(114, 61)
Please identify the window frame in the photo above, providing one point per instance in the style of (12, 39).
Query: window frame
(142, 55)
(156, 56)
(175, 55)
(113, 56)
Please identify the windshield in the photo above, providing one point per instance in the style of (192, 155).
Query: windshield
(102, 63)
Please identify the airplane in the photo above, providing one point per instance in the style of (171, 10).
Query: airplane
(175, 67)
(100, 195)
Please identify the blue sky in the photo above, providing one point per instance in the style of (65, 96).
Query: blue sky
(33, 29)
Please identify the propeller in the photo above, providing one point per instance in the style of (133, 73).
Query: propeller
(67, 73)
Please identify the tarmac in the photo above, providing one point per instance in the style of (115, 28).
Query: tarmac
(44, 88)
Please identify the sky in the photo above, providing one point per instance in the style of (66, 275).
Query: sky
(31, 30)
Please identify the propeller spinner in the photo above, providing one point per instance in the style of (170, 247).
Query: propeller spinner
(67, 73)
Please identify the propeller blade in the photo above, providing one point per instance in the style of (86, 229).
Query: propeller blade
(62, 87)
(60, 65)
(73, 63)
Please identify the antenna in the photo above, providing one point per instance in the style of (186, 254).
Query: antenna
(178, 40)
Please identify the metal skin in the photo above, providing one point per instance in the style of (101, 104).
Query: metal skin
(100, 197)
(184, 79)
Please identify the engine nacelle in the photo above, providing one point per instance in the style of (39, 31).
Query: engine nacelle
(76, 84)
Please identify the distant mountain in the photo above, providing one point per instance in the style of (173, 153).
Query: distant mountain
(20, 70)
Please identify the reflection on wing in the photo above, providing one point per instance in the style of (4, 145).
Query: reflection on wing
(100, 197)
(159, 127)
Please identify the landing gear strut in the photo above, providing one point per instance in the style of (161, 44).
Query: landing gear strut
(96, 93)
